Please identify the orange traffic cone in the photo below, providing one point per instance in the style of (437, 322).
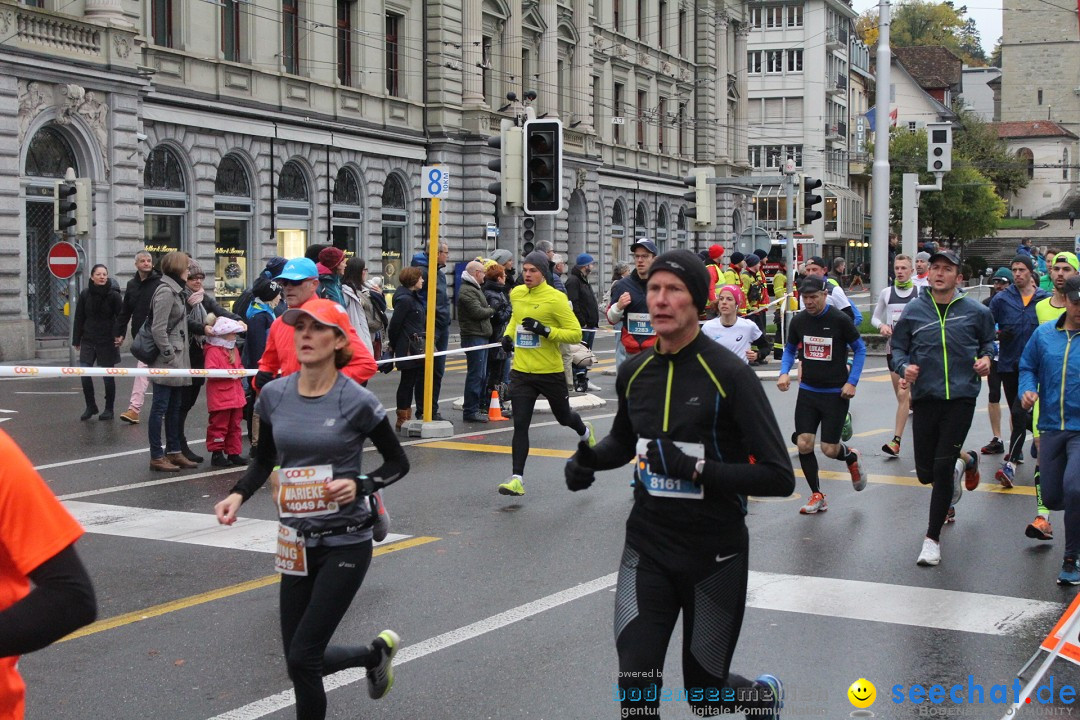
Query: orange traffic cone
(495, 409)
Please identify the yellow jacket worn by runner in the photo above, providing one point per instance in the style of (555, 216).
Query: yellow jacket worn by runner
(534, 353)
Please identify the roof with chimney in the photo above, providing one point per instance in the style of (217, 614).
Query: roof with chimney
(1031, 129)
(932, 66)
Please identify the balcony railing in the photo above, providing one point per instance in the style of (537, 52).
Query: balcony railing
(41, 31)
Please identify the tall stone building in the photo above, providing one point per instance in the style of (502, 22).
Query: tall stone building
(240, 129)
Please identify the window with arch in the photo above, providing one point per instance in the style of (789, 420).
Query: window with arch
(50, 154)
(232, 229)
(680, 228)
(1028, 157)
(165, 203)
(347, 213)
(395, 220)
(662, 232)
(293, 210)
(618, 231)
(1065, 164)
(641, 221)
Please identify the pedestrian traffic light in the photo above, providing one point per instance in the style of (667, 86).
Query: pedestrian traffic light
(807, 213)
(528, 234)
(543, 167)
(84, 206)
(64, 205)
(939, 147)
(703, 211)
(510, 183)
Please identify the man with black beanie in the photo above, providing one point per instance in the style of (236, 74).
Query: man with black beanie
(695, 418)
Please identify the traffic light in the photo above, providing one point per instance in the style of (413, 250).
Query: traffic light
(807, 185)
(528, 234)
(543, 167)
(939, 147)
(510, 183)
(64, 206)
(84, 206)
(704, 198)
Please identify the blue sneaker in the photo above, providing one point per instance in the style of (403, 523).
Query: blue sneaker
(1069, 574)
(1005, 475)
(773, 684)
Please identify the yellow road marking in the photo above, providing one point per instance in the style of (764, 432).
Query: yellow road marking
(498, 449)
(913, 482)
(220, 593)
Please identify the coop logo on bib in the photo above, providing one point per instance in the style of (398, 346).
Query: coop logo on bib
(817, 348)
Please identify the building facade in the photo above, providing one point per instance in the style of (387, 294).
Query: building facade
(799, 70)
(1049, 150)
(235, 131)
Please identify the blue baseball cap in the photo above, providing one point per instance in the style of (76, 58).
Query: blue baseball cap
(298, 269)
(647, 244)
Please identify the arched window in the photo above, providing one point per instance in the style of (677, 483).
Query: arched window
(348, 215)
(1028, 157)
(618, 231)
(1065, 164)
(662, 231)
(641, 221)
(395, 220)
(50, 154)
(293, 210)
(232, 229)
(165, 203)
(680, 228)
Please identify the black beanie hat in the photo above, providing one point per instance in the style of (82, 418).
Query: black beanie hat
(688, 268)
(737, 257)
(541, 262)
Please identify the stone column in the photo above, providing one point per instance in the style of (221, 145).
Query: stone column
(548, 67)
(472, 96)
(723, 139)
(106, 12)
(742, 30)
(581, 86)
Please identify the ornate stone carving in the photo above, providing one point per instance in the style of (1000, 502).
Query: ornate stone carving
(33, 98)
(68, 98)
(7, 19)
(644, 59)
(742, 30)
(722, 20)
(621, 51)
(665, 68)
(123, 46)
(582, 176)
(96, 115)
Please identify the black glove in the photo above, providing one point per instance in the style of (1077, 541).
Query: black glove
(386, 367)
(585, 455)
(261, 378)
(665, 458)
(507, 344)
(536, 327)
(578, 477)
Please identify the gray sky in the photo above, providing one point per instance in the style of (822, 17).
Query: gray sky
(987, 14)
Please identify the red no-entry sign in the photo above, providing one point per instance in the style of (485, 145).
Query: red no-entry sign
(63, 260)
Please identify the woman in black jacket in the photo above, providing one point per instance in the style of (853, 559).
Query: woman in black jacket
(95, 317)
(494, 288)
(200, 304)
(406, 332)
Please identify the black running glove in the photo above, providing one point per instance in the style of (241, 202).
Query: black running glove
(665, 458)
(261, 378)
(535, 326)
(578, 477)
(507, 344)
(585, 455)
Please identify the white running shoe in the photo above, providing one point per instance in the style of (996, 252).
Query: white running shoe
(931, 553)
(958, 480)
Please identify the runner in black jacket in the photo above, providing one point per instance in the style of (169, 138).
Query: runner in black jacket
(695, 416)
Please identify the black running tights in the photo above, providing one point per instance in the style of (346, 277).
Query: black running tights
(938, 429)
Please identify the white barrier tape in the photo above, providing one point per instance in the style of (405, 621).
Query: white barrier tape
(28, 371)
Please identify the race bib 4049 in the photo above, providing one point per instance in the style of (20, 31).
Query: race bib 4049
(302, 491)
(291, 558)
(817, 348)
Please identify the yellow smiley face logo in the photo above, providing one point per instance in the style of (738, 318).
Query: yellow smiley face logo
(862, 693)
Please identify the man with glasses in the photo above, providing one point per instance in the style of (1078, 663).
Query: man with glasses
(299, 280)
(629, 305)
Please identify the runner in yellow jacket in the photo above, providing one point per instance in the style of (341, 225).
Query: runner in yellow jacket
(542, 318)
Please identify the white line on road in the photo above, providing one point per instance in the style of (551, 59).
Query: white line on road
(181, 527)
(843, 599)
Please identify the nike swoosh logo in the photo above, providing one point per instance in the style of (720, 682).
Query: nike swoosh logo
(722, 559)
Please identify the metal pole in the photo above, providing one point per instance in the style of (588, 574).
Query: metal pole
(879, 227)
(909, 223)
(789, 251)
(432, 285)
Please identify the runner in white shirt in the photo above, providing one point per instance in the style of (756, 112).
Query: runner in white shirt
(733, 332)
(890, 305)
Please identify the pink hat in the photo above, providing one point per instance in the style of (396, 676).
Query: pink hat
(228, 326)
(736, 292)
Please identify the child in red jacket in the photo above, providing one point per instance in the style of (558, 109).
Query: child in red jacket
(224, 396)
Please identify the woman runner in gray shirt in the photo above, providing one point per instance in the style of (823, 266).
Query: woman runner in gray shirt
(313, 425)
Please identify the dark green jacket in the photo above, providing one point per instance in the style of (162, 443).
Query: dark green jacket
(474, 313)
